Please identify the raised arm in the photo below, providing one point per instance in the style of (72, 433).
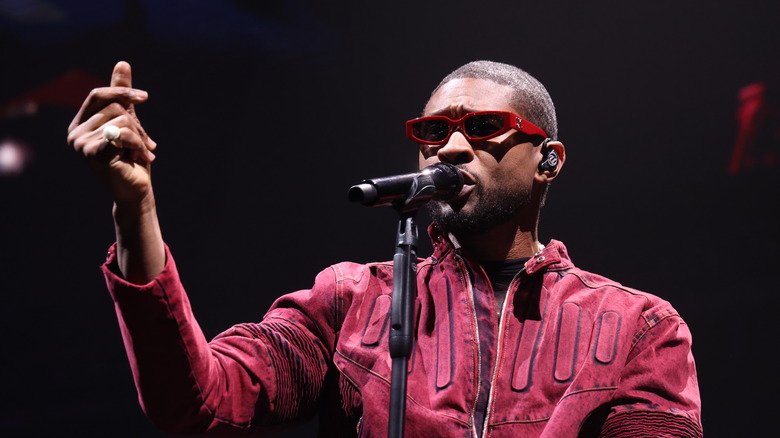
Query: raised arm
(253, 376)
(124, 168)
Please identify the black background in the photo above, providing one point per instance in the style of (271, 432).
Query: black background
(266, 113)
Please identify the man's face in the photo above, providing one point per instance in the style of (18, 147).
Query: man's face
(499, 172)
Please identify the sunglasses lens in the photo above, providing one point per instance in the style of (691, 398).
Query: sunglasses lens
(484, 125)
(430, 131)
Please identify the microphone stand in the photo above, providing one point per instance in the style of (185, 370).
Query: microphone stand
(401, 317)
(404, 295)
(443, 180)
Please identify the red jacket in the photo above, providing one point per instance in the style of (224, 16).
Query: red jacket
(574, 354)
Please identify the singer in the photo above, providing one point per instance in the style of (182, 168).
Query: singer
(511, 338)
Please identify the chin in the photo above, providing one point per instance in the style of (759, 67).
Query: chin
(457, 221)
(478, 214)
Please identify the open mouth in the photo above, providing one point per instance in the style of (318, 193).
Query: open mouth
(469, 184)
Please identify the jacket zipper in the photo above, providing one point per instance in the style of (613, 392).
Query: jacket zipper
(498, 351)
(476, 331)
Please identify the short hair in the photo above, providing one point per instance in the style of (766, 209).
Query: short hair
(529, 97)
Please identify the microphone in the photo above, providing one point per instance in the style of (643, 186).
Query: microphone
(440, 181)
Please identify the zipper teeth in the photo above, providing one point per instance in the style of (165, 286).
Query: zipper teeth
(498, 353)
(476, 329)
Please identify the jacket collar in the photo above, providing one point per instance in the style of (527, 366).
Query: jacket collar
(554, 256)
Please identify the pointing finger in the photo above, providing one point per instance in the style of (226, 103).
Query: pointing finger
(102, 97)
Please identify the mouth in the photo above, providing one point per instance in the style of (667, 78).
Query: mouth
(468, 178)
(469, 183)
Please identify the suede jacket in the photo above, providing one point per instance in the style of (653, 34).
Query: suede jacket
(571, 354)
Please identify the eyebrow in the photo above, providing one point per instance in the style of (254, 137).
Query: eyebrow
(460, 111)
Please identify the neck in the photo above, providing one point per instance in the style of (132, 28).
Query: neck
(507, 241)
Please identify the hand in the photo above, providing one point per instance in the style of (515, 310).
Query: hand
(123, 169)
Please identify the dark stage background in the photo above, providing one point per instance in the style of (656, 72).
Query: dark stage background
(266, 112)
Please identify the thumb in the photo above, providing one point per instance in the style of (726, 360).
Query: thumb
(122, 75)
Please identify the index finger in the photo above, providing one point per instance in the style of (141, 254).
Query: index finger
(99, 98)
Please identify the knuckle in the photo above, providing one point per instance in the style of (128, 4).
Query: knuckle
(79, 144)
(89, 150)
(130, 139)
(115, 107)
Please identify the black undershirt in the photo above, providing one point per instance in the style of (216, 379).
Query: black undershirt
(500, 275)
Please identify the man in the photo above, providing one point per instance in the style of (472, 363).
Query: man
(511, 338)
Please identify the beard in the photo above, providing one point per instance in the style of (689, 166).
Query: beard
(491, 209)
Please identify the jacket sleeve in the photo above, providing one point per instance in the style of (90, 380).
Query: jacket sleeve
(253, 376)
(659, 391)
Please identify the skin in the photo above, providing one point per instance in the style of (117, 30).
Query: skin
(506, 161)
(125, 171)
(505, 164)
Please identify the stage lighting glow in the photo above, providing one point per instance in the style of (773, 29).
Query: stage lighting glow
(14, 157)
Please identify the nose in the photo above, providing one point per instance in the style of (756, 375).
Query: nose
(457, 150)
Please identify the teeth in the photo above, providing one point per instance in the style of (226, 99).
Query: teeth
(468, 179)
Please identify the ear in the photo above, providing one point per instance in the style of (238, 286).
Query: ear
(547, 173)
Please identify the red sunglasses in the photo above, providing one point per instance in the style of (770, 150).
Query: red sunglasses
(479, 125)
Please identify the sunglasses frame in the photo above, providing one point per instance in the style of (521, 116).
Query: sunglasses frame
(511, 121)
